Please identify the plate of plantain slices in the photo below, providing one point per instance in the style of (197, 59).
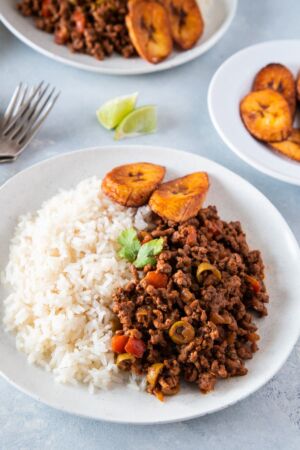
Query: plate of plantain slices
(258, 117)
(154, 35)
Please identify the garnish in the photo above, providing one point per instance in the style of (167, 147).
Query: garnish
(147, 252)
(134, 252)
(130, 244)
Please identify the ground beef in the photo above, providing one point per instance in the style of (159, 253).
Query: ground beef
(92, 27)
(220, 311)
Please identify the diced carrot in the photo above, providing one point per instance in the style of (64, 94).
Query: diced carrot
(253, 337)
(118, 343)
(45, 10)
(255, 284)
(191, 238)
(157, 279)
(80, 20)
(135, 347)
(61, 35)
(160, 396)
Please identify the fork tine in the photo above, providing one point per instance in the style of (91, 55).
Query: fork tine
(12, 131)
(22, 101)
(31, 114)
(7, 159)
(12, 105)
(29, 133)
(36, 114)
(22, 110)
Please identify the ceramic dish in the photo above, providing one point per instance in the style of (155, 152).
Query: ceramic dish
(236, 199)
(217, 16)
(230, 83)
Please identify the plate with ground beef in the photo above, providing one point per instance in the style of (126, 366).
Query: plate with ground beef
(143, 305)
(94, 35)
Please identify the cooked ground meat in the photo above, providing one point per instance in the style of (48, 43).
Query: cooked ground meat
(92, 27)
(217, 313)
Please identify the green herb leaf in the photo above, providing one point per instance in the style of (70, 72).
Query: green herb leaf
(147, 252)
(130, 244)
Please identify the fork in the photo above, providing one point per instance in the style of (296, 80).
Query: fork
(23, 117)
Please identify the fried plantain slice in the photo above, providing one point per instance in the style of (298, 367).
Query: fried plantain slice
(149, 29)
(186, 22)
(279, 78)
(298, 87)
(266, 115)
(182, 198)
(290, 147)
(132, 184)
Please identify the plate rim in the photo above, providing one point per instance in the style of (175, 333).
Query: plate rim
(288, 230)
(150, 68)
(226, 139)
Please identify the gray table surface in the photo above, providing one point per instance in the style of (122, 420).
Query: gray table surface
(270, 418)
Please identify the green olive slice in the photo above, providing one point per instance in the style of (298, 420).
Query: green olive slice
(182, 332)
(207, 267)
(153, 373)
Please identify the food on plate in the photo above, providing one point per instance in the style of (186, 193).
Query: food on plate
(186, 22)
(266, 115)
(114, 111)
(92, 27)
(105, 294)
(62, 272)
(290, 147)
(269, 110)
(141, 121)
(127, 27)
(140, 254)
(180, 199)
(197, 331)
(149, 29)
(278, 78)
(132, 184)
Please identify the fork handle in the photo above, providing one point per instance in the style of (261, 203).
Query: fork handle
(7, 159)
(7, 151)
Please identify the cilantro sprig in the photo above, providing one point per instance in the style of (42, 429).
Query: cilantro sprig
(130, 244)
(136, 253)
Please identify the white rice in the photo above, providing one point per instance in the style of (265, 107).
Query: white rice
(62, 271)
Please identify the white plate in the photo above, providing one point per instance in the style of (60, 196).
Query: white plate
(230, 83)
(235, 199)
(217, 14)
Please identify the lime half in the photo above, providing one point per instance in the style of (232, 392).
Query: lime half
(113, 112)
(142, 120)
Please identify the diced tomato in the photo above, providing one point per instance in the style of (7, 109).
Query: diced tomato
(61, 35)
(160, 396)
(157, 279)
(80, 20)
(118, 343)
(255, 284)
(135, 347)
(46, 10)
(191, 238)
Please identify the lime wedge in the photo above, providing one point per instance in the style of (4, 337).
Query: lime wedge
(142, 120)
(113, 112)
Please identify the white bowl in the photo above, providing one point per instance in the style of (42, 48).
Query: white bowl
(217, 15)
(230, 83)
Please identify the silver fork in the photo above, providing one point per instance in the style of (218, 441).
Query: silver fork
(24, 115)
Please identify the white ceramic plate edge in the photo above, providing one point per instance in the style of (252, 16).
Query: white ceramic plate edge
(150, 68)
(252, 162)
(248, 392)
